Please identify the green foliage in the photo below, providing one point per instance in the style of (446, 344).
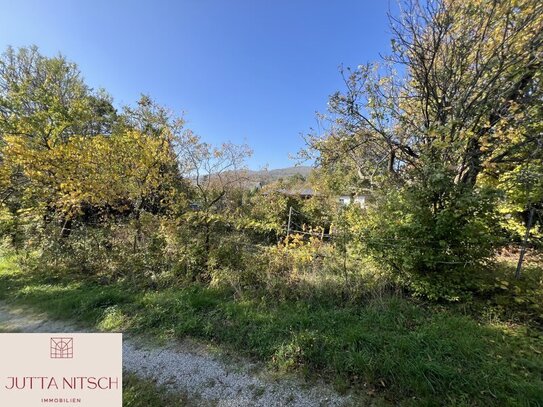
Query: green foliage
(271, 209)
(522, 189)
(435, 237)
(511, 298)
(453, 113)
(125, 220)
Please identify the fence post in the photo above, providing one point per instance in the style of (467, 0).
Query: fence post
(289, 219)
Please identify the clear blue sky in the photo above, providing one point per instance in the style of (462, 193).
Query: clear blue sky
(250, 71)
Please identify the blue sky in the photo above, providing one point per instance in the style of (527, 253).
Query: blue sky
(251, 71)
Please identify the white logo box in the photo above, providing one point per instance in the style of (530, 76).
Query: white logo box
(61, 369)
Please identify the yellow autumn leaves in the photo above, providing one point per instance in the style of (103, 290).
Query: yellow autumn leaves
(101, 170)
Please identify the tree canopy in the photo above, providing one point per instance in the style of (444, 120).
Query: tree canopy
(446, 130)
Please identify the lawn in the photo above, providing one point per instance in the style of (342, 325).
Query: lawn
(395, 349)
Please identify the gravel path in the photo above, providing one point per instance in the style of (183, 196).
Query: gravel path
(192, 369)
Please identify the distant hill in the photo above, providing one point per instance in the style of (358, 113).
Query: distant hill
(253, 179)
(267, 176)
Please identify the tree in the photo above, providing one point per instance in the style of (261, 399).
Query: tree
(66, 152)
(469, 97)
(459, 100)
(43, 103)
(216, 173)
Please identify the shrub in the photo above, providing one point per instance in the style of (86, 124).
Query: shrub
(435, 236)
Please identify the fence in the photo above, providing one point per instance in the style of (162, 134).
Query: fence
(291, 228)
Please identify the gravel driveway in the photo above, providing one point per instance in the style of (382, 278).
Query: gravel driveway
(192, 369)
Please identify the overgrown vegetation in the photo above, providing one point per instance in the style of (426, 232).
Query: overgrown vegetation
(388, 347)
(446, 134)
(123, 218)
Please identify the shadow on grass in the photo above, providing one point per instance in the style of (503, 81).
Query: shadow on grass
(394, 347)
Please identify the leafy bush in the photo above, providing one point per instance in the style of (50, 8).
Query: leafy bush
(435, 236)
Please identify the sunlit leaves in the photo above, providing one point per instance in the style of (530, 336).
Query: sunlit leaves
(101, 170)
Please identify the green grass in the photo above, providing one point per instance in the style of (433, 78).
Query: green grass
(396, 348)
(143, 393)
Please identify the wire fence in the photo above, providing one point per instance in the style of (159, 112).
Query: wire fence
(294, 228)
(341, 238)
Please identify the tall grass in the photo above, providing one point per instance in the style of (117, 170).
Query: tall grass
(401, 350)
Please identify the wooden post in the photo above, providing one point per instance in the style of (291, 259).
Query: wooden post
(289, 219)
(525, 241)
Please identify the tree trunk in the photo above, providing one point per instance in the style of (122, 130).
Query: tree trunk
(471, 167)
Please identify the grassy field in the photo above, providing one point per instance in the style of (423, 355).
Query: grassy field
(395, 349)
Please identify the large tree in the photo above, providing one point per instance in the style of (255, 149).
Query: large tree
(457, 105)
(66, 152)
(462, 86)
